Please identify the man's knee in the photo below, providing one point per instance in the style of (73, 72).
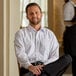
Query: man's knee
(68, 58)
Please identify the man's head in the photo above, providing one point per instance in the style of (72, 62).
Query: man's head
(32, 4)
(33, 13)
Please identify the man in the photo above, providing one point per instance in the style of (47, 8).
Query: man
(69, 37)
(37, 48)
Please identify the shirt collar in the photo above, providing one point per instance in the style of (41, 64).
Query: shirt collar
(33, 29)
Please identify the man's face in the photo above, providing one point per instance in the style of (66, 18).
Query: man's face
(34, 15)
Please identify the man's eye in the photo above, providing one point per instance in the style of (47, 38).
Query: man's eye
(31, 13)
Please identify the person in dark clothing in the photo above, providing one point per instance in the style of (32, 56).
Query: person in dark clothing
(69, 36)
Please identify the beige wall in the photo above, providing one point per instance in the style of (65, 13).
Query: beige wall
(1, 37)
(55, 15)
(59, 23)
(50, 14)
(6, 38)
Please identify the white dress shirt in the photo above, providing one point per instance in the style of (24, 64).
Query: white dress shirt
(32, 46)
(69, 11)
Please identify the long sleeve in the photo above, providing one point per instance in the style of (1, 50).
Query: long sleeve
(54, 49)
(20, 49)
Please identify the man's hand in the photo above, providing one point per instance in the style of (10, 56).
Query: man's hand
(36, 69)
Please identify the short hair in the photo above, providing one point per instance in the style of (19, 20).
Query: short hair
(32, 4)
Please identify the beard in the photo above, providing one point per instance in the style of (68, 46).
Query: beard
(35, 21)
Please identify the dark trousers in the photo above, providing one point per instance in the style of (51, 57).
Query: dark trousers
(74, 66)
(56, 68)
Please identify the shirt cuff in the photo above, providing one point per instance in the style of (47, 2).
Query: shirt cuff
(27, 65)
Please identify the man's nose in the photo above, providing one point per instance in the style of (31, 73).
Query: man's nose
(34, 15)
